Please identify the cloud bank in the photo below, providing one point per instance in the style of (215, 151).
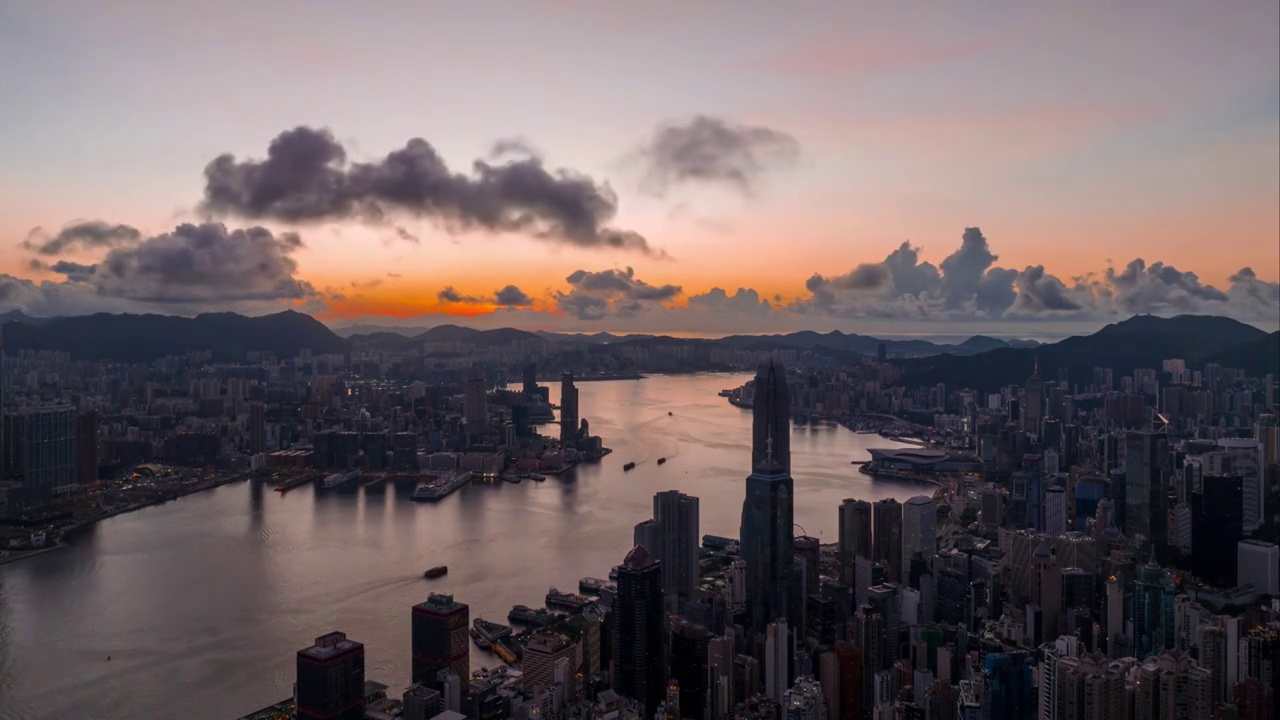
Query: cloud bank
(306, 177)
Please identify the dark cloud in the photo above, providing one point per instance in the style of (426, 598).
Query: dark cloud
(204, 263)
(91, 234)
(407, 236)
(306, 177)
(1158, 289)
(512, 296)
(743, 302)
(1039, 293)
(519, 146)
(75, 272)
(594, 295)
(969, 280)
(38, 265)
(711, 150)
(449, 295)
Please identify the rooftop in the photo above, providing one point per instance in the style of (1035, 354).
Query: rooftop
(329, 646)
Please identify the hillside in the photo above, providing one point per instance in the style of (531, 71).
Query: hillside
(1256, 357)
(1141, 341)
(141, 338)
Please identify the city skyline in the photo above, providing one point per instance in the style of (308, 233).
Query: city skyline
(831, 174)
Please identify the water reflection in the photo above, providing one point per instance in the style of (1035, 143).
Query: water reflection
(202, 602)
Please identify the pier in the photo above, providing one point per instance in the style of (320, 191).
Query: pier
(296, 480)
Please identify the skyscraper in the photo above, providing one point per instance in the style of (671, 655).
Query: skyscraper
(639, 631)
(476, 409)
(855, 531)
(42, 444)
(887, 517)
(1146, 492)
(529, 374)
(257, 427)
(767, 542)
(690, 649)
(568, 411)
(919, 529)
(771, 417)
(440, 642)
(330, 679)
(1033, 398)
(677, 517)
(777, 660)
(1152, 611)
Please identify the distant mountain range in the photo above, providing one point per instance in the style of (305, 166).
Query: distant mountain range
(1142, 341)
(981, 362)
(141, 338)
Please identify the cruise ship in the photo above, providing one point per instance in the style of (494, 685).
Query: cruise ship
(341, 478)
(526, 615)
(442, 486)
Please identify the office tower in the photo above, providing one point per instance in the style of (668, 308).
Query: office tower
(1151, 611)
(855, 532)
(1007, 687)
(404, 452)
(330, 680)
(771, 417)
(1055, 511)
(992, 508)
(475, 409)
(676, 515)
(87, 448)
(529, 374)
(887, 517)
(1146, 492)
(1258, 564)
(766, 537)
(639, 631)
(1212, 643)
(568, 411)
(439, 629)
(648, 534)
(1033, 399)
(809, 551)
(777, 660)
(545, 652)
(42, 448)
(848, 680)
(884, 601)
(919, 530)
(866, 574)
(690, 655)
(721, 695)
(1243, 457)
(421, 703)
(1170, 686)
(1216, 528)
(257, 427)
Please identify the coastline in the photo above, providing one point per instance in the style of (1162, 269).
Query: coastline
(63, 533)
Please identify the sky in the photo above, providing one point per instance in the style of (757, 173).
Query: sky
(698, 167)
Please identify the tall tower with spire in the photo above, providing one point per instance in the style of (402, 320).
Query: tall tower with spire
(771, 415)
(767, 511)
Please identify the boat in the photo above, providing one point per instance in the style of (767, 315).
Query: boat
(628, 467)
(515, 479)
(668, 413)
(442, 486)
(537, 477)
(566, 601)
(435, 572)
(341, 478)
(526, 615)
(590, 585)
(661, 460)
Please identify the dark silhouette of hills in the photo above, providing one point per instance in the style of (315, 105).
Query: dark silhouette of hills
(1142, 341)
(1255, 357)
(141, 338)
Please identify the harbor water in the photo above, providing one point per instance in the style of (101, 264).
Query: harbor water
(201, 603)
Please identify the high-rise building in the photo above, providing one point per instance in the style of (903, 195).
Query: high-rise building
(568, 411)
(804, 701)
(1091, 687)
(1055, 511)
(777, 660)
(42, 453)
(475, 409)
(849, 673)
(440, 628)
(1243, 457)
(1170, 685)
(1258, 564)
(330, 679)
(1033, 398)
(1146, 492)
(690, 655)
(639, 631)
(887, 517)
(721, 695)
(1007, 688)
(676, 516)
(855, 532)
(767, 542)
(919, 530)
(529, 374)
(1216, 528)
(87, 448)
(421, 703)
(544, 653)
(771, 417)
(1151, 611)
(257, 427)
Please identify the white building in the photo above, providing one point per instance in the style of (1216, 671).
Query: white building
(919, 530)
